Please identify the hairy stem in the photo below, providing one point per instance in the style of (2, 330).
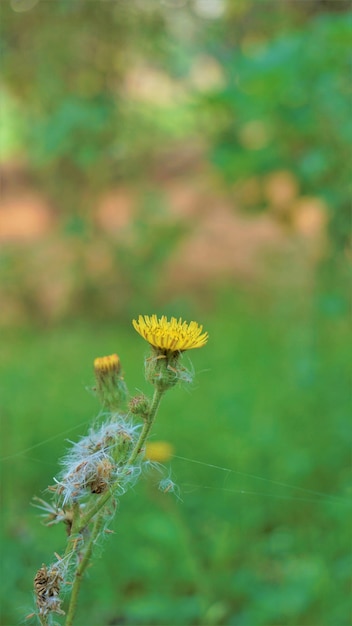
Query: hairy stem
(147, 426)
(43, 619)
(105, 497)
(76, 513)
(80, 522)
(81, 569)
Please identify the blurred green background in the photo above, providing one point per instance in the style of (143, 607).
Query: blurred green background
(187, 158)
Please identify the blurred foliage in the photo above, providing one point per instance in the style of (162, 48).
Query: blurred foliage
(286, 105)
(73, 115)
(284, 102)
(265, 544)
(99, 95)
(66, 64)
(98, 277)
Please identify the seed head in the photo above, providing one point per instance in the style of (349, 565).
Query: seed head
(47, 588)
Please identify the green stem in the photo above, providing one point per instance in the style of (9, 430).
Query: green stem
(105, 497)
(76, 513)
(42, 619)
(147, 426)
(80, 522)
(71, 546)
(81, 569)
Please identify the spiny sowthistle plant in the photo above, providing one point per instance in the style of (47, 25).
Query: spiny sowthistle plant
(99, 468)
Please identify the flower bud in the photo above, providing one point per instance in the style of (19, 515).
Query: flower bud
(159, 451)
(139, 405)
(111, 387)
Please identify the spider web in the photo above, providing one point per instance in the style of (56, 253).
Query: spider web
(304, 494)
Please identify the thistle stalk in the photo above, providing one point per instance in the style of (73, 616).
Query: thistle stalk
(102, 465)
(96, 511)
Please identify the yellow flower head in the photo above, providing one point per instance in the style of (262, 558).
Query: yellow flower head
(170, 336)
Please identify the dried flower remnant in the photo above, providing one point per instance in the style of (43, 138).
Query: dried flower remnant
(53, 514)
(47, 588)
(104, 470)
(97, 460)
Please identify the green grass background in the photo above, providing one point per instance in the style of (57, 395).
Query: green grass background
(270, 401)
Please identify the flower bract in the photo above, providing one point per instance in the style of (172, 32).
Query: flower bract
(170, 336)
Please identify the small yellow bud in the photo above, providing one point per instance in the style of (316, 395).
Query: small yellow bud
(158, 451)
(111, 388)
(105, 364)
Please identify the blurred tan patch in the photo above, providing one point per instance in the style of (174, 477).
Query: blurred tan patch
(184, 159)
(148, 84)
(219, 241)
(225, 243)
(115, 211)
(11, 311)
(249, 192)
(206, 73)
(54, 289)
(25, 218)
(185, 199)
(99, 260)
(281, 189)
(309, 216)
